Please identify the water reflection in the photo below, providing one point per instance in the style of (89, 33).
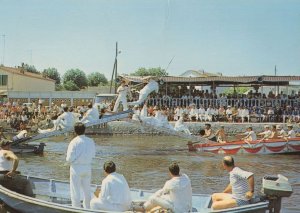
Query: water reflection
(144, 162)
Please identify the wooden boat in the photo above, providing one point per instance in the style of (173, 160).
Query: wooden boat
(270, 146)
(52, 196)
(28, 148)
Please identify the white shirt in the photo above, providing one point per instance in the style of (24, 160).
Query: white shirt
(22, 134)
(5, 165)
(81, 151)
(267, 133)
(179, 192)
(193, 112)
(178, 111)
(291, 134)
(201, 111)
(251, 135)
(91, 115)
(151, 86)
(239, 182)
(115, 190)
(209, 111)
(228, 112)
(122, 90)
(281, 132)
(66, 118)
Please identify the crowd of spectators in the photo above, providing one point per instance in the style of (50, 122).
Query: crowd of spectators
(186, 93)
(33, 115)
(198, 107)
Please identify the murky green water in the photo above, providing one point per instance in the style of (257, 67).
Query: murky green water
(144, 162)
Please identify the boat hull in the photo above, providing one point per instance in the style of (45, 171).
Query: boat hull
(53, 196)
(272, 146)
(28, 148)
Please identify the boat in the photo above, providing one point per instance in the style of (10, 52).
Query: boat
(269, 146)
(53, 196)
(28, 148)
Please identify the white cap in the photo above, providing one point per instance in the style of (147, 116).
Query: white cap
(267, 126)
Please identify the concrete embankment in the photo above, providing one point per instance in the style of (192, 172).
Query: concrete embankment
(123, 127)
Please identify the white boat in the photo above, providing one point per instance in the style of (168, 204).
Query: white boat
(53, 196)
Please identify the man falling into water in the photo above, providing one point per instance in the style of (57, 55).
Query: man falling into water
(151, 86)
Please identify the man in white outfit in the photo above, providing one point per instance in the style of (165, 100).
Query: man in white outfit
(81, 151)
(122, 96)
(65, 120)
(143, 94)
(22, 134)
(181, 127)
(91, 115)
(176, 194)
(114, 194)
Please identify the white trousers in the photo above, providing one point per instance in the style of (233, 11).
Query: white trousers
(122, 99)
(80, 179)
(159, 200)
(142, 98)
(99, 204)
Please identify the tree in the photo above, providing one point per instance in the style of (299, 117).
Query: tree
(150, 72)
(238, 90)
(95, 78)
(77, 76)
(53, 74)
(29, 68)
(71, 86)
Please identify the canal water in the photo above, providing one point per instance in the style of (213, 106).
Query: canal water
(144, 162)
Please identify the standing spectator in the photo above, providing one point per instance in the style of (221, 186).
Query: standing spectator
(80, 153)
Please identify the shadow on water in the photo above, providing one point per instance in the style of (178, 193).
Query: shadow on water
(144, 162)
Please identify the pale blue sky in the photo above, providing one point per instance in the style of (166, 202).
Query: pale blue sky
(234, 37)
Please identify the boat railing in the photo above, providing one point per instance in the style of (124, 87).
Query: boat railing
(205, 102)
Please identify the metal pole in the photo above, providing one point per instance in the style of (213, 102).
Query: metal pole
(3, 56)
(112, 77)
(116, 68)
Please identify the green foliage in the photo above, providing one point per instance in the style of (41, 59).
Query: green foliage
(71, 86)
(29, 68)
(53, 74)
(150, 72)
(238, 90)
(59, 87)
(77, 76)
(95, 78)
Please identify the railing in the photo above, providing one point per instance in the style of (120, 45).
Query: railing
(173, 102)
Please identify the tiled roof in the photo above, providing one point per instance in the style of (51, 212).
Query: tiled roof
(18, 71)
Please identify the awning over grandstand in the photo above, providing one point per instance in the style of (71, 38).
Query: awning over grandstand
(219, 80)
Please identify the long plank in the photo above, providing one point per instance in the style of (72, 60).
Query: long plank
(105, 119)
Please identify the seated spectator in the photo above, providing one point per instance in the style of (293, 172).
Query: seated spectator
(280, 131)
(193, 113)
(291, 132)
(229, 114)
(201, 113)
(176, 194)
(240, 189)
(114, 194)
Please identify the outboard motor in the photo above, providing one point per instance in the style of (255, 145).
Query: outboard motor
(275, 188)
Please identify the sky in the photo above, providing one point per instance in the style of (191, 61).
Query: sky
(232, 37)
